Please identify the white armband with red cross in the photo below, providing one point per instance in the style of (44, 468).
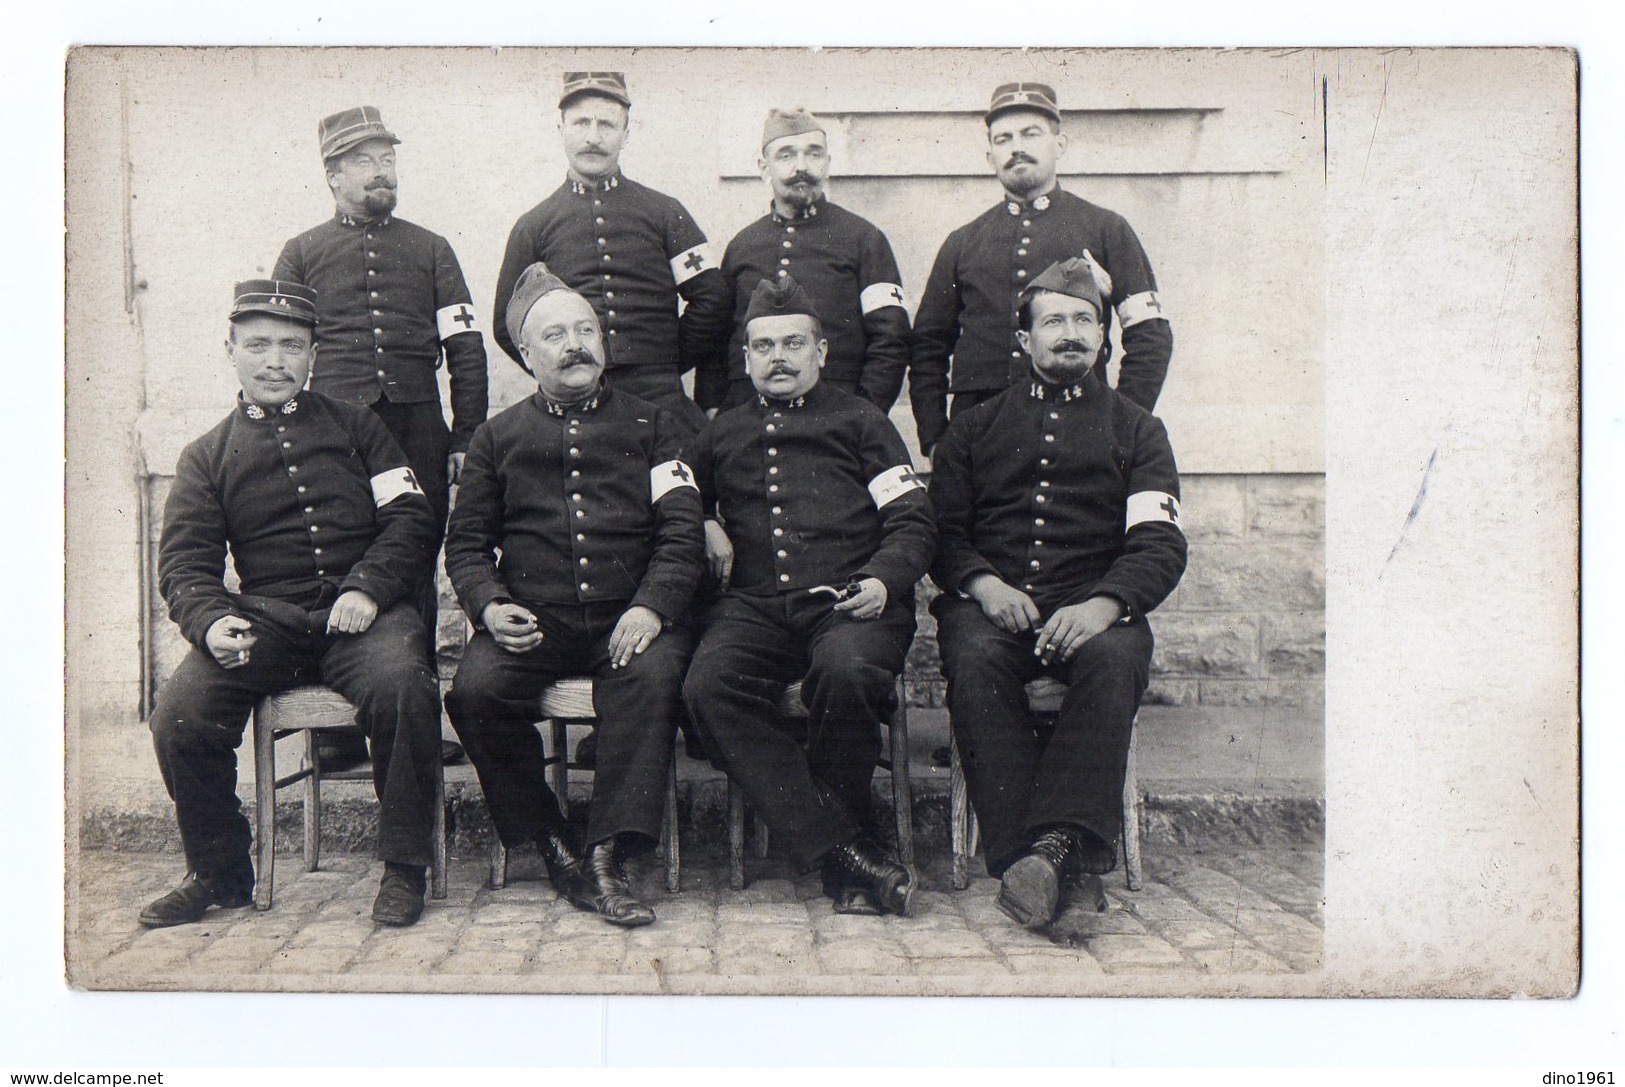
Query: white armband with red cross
(1144, 506)
(668, 476)
(454, 320)
(893, 484)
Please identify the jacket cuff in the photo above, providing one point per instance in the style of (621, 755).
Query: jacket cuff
(383, 591)
(477, 597)
(197, 629)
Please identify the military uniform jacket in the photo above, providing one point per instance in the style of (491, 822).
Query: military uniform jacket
(587, 504)
(968, 310)
(815, 491)
(1065, 492)
(390, 297)
(846, 266)
(313, 500)
(631, 252)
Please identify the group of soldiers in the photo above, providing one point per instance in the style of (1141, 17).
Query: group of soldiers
(694, 555)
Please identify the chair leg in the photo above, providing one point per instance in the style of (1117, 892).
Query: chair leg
(264, 812)
(902, 792)
(736, 837)
(313, 803)
(499, 863)
(958, 820)
(1131, 818)
(674, 881)
(437, 887)
(559, 772)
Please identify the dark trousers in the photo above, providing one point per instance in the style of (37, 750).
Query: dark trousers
(493, 706)
(420, 430)
(816, 797)
(661, 385)
(1020, 782)
(202, 711)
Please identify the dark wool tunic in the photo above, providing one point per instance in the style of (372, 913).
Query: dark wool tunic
(390, 297)
(631, 252)
(586, 504)
(313, 500)
(968, 310)
(847, 268)
(819, 490)
(1065, 492)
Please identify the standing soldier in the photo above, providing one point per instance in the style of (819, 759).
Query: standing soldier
(391, 301)
(628, 250)
(968, 311)
(844, 263)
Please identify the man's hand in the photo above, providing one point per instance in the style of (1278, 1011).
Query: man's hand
(634, 632)
(719, 553)
(512, 626)
(229, 641)
(1009, 609)
(1071, 626)
(353, 612)
(868, 602)
(454, 468)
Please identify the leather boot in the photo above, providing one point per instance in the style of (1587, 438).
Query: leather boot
(847, 897)
(863, 864)
(564, 868)
(1030, 892)
(614, 901)
(231, 889)
(400, 895)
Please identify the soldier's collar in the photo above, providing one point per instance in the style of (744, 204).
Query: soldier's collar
(583, 188)
(1017, 206)
(345, 219)
(775, 404)
(255, 412)
(1039, 389)
(561, 408)
(808, 212)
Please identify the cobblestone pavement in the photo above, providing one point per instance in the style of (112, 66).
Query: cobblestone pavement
(1205, 922)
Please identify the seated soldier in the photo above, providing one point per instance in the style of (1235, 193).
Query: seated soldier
(597, 523)
(330, 533)
(819, 531)
(1058, 506)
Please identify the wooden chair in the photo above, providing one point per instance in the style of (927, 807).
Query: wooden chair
(569, 702)
(310, 710)
(894, 761)
(1043, 698)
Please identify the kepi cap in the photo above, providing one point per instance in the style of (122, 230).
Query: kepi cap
(788, 122)
(348, 128)
(277, 297)
(534, 282)
(1038, 97)
(609, 84)
(1073, 277)
(779, 298)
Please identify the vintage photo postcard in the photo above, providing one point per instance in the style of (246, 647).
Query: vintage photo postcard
(1167, 438)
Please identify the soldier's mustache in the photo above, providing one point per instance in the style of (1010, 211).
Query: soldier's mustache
(576, 357)
(381, 183)
(1021, 156)
(802, 178)
(1071, 345)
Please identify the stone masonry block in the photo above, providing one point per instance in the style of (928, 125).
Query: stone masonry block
(1213, 507)
(1253, 578)
(1294, 644)
(1286, 507)
(1281, 693)
(1205, 645)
